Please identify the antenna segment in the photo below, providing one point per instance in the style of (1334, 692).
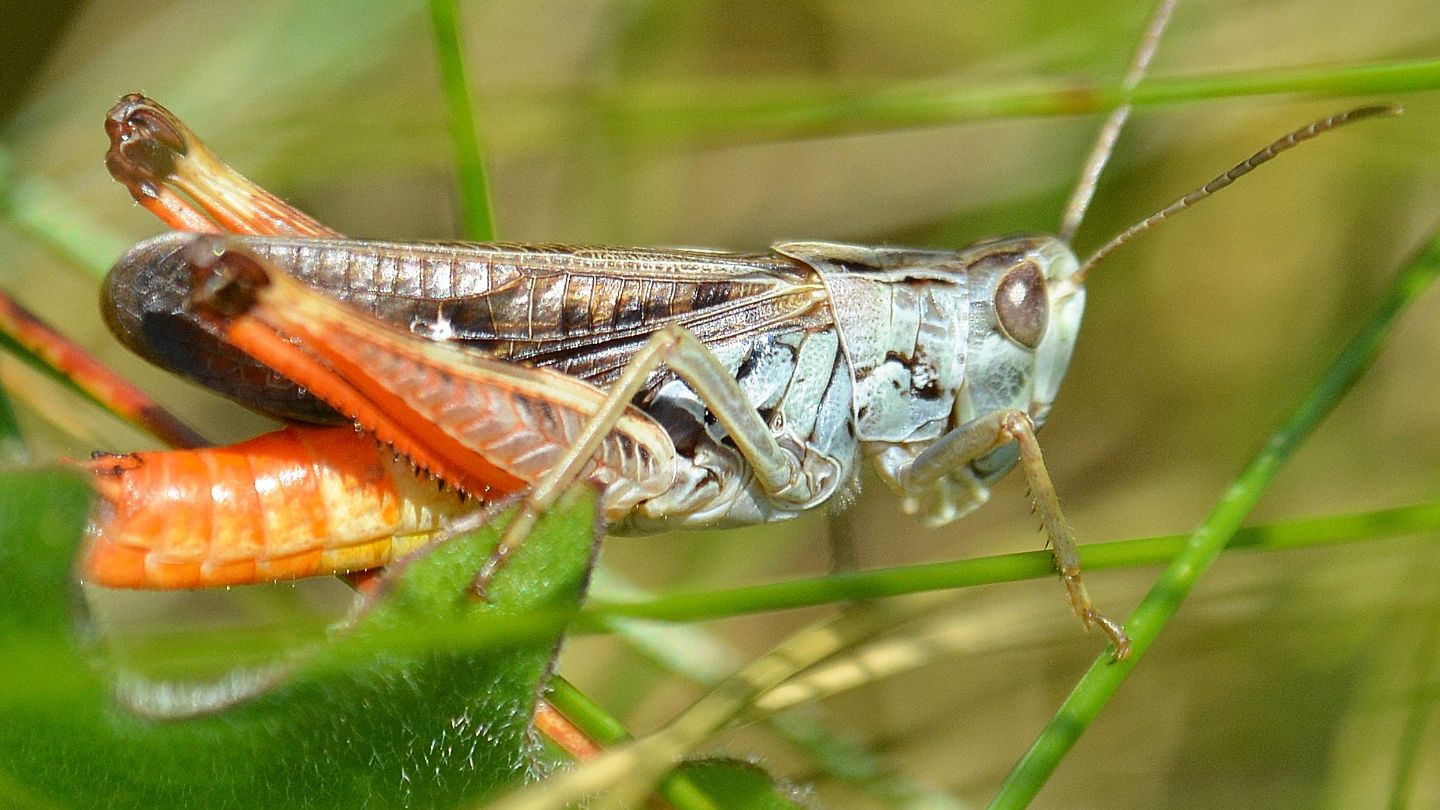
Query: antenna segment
(1299, 136)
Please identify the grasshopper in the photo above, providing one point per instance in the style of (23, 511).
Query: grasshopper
(698, 388)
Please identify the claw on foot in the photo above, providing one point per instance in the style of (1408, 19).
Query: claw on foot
(1081, 604)
(1113, 630)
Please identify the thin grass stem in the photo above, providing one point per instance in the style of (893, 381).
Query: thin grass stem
(477, 217)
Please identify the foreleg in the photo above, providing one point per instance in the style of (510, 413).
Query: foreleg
(979, 437)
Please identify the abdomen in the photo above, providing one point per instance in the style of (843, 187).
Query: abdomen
(295, 503)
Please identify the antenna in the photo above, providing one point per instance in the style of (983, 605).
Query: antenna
(1110, 132)
(1244, 167)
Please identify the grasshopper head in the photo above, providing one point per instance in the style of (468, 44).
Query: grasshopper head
(1024, 317)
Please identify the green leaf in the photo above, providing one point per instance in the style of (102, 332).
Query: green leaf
(361, 722)
(737, 785)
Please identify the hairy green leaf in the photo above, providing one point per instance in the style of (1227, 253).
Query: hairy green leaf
(359, 722)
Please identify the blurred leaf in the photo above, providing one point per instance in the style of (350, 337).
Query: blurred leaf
(358, 723)
(738, 785)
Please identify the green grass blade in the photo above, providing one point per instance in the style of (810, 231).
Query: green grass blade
(477, 220)
(678, 789)
(585, 713)
(753, 111)
(910, 579)
(1104, 677)
(13, 347)
(12, 442)
(1419, 714)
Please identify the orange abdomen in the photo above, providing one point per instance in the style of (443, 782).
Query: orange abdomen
(299, 502)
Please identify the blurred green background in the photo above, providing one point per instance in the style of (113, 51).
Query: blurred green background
(1289, 678)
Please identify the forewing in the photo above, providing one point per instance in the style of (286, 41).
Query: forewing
(580, 310)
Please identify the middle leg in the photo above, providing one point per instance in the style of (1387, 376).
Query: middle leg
(777, 469)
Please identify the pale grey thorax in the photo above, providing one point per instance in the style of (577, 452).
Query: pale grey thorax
(901, 316)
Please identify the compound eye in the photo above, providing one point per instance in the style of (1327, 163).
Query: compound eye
(1022, 306)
